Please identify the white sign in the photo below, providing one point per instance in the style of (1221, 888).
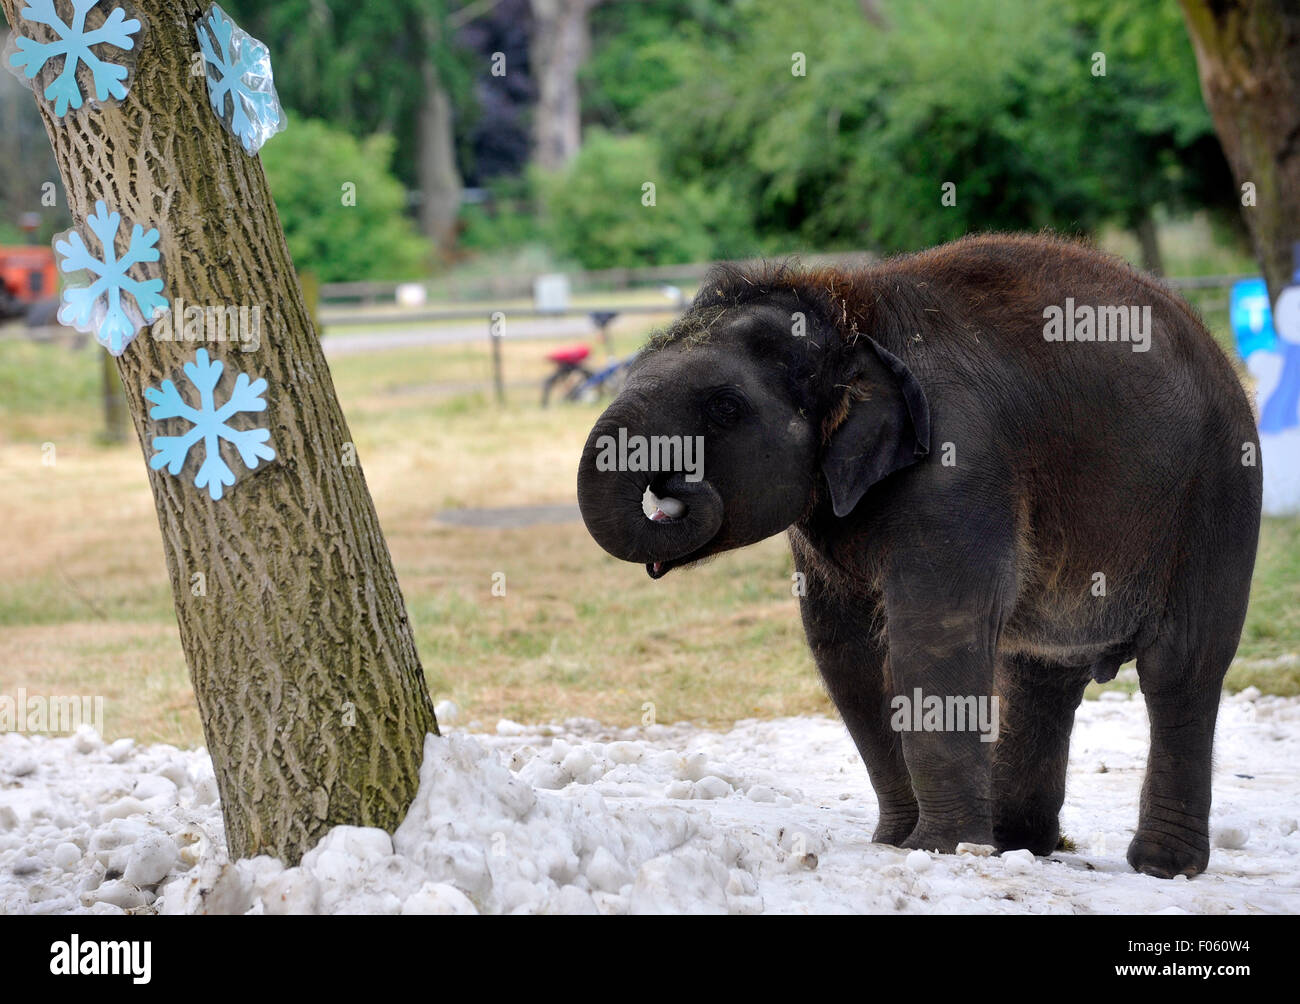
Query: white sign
(551, 292)
(411, 294)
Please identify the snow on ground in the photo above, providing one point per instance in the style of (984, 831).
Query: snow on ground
(770, 817)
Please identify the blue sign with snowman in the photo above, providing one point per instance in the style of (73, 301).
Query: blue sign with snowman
(1269, 342)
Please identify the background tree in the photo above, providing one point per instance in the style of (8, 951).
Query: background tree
(599, 212)
(307, 167)
(1248, 52)
(840, 130)
(394, 67)
(313, 700)
(440, 181)
(496, 139)
(561, 42)
(1140, 134)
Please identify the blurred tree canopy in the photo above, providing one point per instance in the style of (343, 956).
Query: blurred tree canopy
(27, 166)
(997, 97)
(340, 207)
(765, 127)
(601, 212)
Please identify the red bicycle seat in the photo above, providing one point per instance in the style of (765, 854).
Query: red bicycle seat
(571, 354)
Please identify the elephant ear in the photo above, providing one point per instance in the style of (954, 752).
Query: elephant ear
(884, 425)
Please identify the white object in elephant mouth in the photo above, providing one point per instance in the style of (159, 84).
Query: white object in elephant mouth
(661, 509)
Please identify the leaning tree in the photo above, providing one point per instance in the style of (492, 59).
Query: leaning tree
(313, 699)
(1248, 53)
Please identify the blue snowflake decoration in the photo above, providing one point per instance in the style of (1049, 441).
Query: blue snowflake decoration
(208, 423)
(74, 43)
(102, 308)
(239, 68)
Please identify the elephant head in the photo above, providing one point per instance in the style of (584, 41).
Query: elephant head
(738, 420)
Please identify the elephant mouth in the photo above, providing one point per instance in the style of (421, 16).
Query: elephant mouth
(667, 509)
(658, 569)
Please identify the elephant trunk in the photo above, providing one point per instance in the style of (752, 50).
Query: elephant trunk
(611, 500)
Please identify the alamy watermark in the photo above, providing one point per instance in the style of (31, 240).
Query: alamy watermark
(49, 714)
(656, 454)
(195, 323)
(75, 957)
(950, 713)
(1124, 323)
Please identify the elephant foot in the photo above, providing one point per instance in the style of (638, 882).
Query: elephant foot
(1042, 835)
(930, 836)
(1163, 856)
(895, 827)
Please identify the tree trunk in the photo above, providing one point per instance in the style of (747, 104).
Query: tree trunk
(1248, 53)
(440, 182)
(313, 700)
(114, 400)
(558, 49)
(1148, 238)
(872, 12)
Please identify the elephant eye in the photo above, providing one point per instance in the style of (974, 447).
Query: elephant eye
(726, 406)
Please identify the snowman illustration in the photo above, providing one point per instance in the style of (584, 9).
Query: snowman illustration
(1271, 349)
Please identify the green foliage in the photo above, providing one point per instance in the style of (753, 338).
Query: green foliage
(10, 234)
(994, 96)
(633, 53)
(595, 211)
(1273, 620)
(508, 220)
(307, 167)
(358, 65)
(1139, 136)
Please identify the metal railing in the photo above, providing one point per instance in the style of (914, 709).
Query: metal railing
(463, 288)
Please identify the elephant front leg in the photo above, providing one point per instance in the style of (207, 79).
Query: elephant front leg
(856, 683)
(853, 662)
(945, 711)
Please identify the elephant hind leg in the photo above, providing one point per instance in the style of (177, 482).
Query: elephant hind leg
(1038, 699)
(1182, 691)
(1181, 675)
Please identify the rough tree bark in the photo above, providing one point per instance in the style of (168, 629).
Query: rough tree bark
(558, 49)
(1248, 54)
(312, 696)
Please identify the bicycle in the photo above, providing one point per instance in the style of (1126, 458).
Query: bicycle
(576, 383)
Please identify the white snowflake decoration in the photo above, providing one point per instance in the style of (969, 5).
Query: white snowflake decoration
(239, 68)
(209, 425)
(74, 44)
(101, 308)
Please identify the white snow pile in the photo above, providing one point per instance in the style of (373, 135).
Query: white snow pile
(772, 816)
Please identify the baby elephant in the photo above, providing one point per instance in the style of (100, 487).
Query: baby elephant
(1007, 465)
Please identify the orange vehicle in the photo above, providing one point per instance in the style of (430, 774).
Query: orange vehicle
(27, 280)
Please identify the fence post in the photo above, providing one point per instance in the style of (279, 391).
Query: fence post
(496, 330)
